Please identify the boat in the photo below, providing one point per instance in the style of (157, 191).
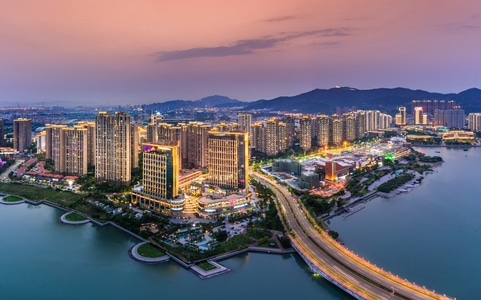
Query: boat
(437, 151)
(465, 149)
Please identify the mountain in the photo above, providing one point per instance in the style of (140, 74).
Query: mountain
(328, 100)
(211, 101)
(385, 99)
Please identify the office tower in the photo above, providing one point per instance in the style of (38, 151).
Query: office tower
(401, 118)
(349, 127)
(323, 124)
(305, 133)
(271, 142)
(22, 134)
(113, 162)
(2, 132)
(228, 159)
(337, 126)
(160, 190)
(450, 118)
(474, 122)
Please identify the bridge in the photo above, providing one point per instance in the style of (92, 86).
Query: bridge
(328, 258)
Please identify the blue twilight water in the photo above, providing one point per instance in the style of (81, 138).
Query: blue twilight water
(432, 235)
(41, 258)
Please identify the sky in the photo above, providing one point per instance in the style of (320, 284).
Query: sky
(131, 52)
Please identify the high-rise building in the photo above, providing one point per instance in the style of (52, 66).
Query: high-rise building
(360, 124)
(134, 146)
(228, 159)
(290, 129)
(67, 147)
(323, 124)
(245, 121)
(401, 118)
(75, 153)
(259, 137)
(349, 127)
(90, 126)
(420, 118)
(113, 161)
(474, 122)
(2, 132)
(160, 189)
(22, 134)
(305, 133)
(450, 118)
(337, 128)
(197, 134)
(281, 136)
(271, 137)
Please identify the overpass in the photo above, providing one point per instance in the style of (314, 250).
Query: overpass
(326, 257)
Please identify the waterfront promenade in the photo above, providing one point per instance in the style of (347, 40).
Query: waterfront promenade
(336, 263)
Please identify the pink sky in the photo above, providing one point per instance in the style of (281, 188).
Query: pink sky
(144, 51)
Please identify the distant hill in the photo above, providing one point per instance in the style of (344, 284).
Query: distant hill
(327, 100)
(211, 101)
(384, 99)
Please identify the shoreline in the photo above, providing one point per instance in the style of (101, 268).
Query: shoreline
(133, 254)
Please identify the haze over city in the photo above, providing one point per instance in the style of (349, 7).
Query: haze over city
(91, 52)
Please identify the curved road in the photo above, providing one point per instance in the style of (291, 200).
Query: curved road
(346, 268)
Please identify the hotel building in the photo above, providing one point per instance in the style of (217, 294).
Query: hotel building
(228, 159)
(160, 189)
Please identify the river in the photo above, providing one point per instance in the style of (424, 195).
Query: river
(432, 235)
(44, 259)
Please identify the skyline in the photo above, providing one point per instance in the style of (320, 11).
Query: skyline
(90, 52)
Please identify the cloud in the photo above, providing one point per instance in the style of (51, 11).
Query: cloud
(459, 26)
(281, 19)
(244, 47)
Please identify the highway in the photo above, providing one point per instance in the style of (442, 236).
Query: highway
(353, 273)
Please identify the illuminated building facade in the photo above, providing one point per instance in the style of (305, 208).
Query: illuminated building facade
(305, 133)
(474, 122)
(228, 159)
(401, 118)
(323, 124)
(160, 189)
(113, 158)
(337, 131)
(271, 137)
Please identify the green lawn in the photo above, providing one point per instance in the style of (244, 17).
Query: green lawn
(147, 250)
(12, 199)
(75, 217)
(38, 193)
(206, 266)
(269, 244)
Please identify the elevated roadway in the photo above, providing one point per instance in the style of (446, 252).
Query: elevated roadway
(325, 256)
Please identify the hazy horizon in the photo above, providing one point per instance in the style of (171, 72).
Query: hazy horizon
(93, 52)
